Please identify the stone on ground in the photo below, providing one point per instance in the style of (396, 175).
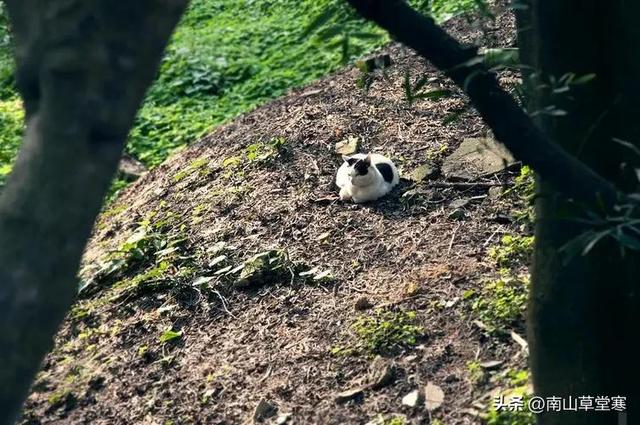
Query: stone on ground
(475, 158)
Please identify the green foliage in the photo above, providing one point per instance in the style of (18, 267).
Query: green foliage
(117, 185)
(433, 154)
(11, 129)
(507, 417)
(516, 383)
(512, 250)
(170, 335)
(271, 266)
(59, 397)
(526, 190)
(445, 9)
(501, 302)
(413, 92)
(476, 374)
(556, 89)
(7, 82)
(225, 58)
(264, 152)
(263, 267)
(386, 331)
(197, 166)
(518, 378)
(623, 228)
(393, 420)
(339, 27)
(156, 247)
(525, 182)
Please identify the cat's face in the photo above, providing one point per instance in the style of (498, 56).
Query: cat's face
(360, 171)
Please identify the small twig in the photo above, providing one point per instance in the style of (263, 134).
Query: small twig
(325, 200)
(293, 275)
(224, 304)
(453, 236)
(395, 303)
(521, 341)
(468, 184)
(492, 235)
(266, 375)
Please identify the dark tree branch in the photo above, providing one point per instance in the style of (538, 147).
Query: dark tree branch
(510, 124)
(82, 68)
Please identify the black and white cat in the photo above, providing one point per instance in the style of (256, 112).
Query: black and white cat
(366, 177)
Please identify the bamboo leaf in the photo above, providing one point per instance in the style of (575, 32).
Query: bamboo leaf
(320, 20)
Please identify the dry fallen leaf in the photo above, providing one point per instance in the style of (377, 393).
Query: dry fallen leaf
(348, 395)
(433, 396)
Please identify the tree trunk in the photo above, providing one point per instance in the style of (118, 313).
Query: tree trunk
(82, 69)
(584, 311)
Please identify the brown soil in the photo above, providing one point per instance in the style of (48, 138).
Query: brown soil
(273, 342)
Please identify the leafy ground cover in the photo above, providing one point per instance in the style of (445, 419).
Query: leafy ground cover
(226, 58)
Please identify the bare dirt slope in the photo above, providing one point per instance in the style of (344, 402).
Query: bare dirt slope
(288, 342)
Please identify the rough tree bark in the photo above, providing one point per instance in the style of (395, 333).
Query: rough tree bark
(584, 315)
(82, 69)
(510, 124)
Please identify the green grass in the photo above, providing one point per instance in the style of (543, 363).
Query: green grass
(225, 58)
(515, 383)
(512, 251)
(382, 332)
(501, 302)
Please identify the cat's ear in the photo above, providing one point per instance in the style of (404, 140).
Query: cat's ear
(367, 159)
(349, 160)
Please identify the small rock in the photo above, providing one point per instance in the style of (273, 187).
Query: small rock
(264, 410)
(97, 382)
(218, 259)
(418, 195)
(411, 289)
(348, 146)
(491, 364)
(130, 168)
(459, 203)
(451, 378)
(451, 303)
(457, 214)
(383, 373)
(412, 399)
(476, 158)
(495, 192)
(373, 63)
(422, 172)
(502, 219)
(283, 419)
(323, 236)
(471, 412)
(433, 396)
(363, 303)
(481, 325)
(345, 396)
(201, 280)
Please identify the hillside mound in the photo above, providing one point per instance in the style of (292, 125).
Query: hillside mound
(228, 285)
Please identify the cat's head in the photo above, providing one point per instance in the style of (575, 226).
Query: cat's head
(360, 171)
